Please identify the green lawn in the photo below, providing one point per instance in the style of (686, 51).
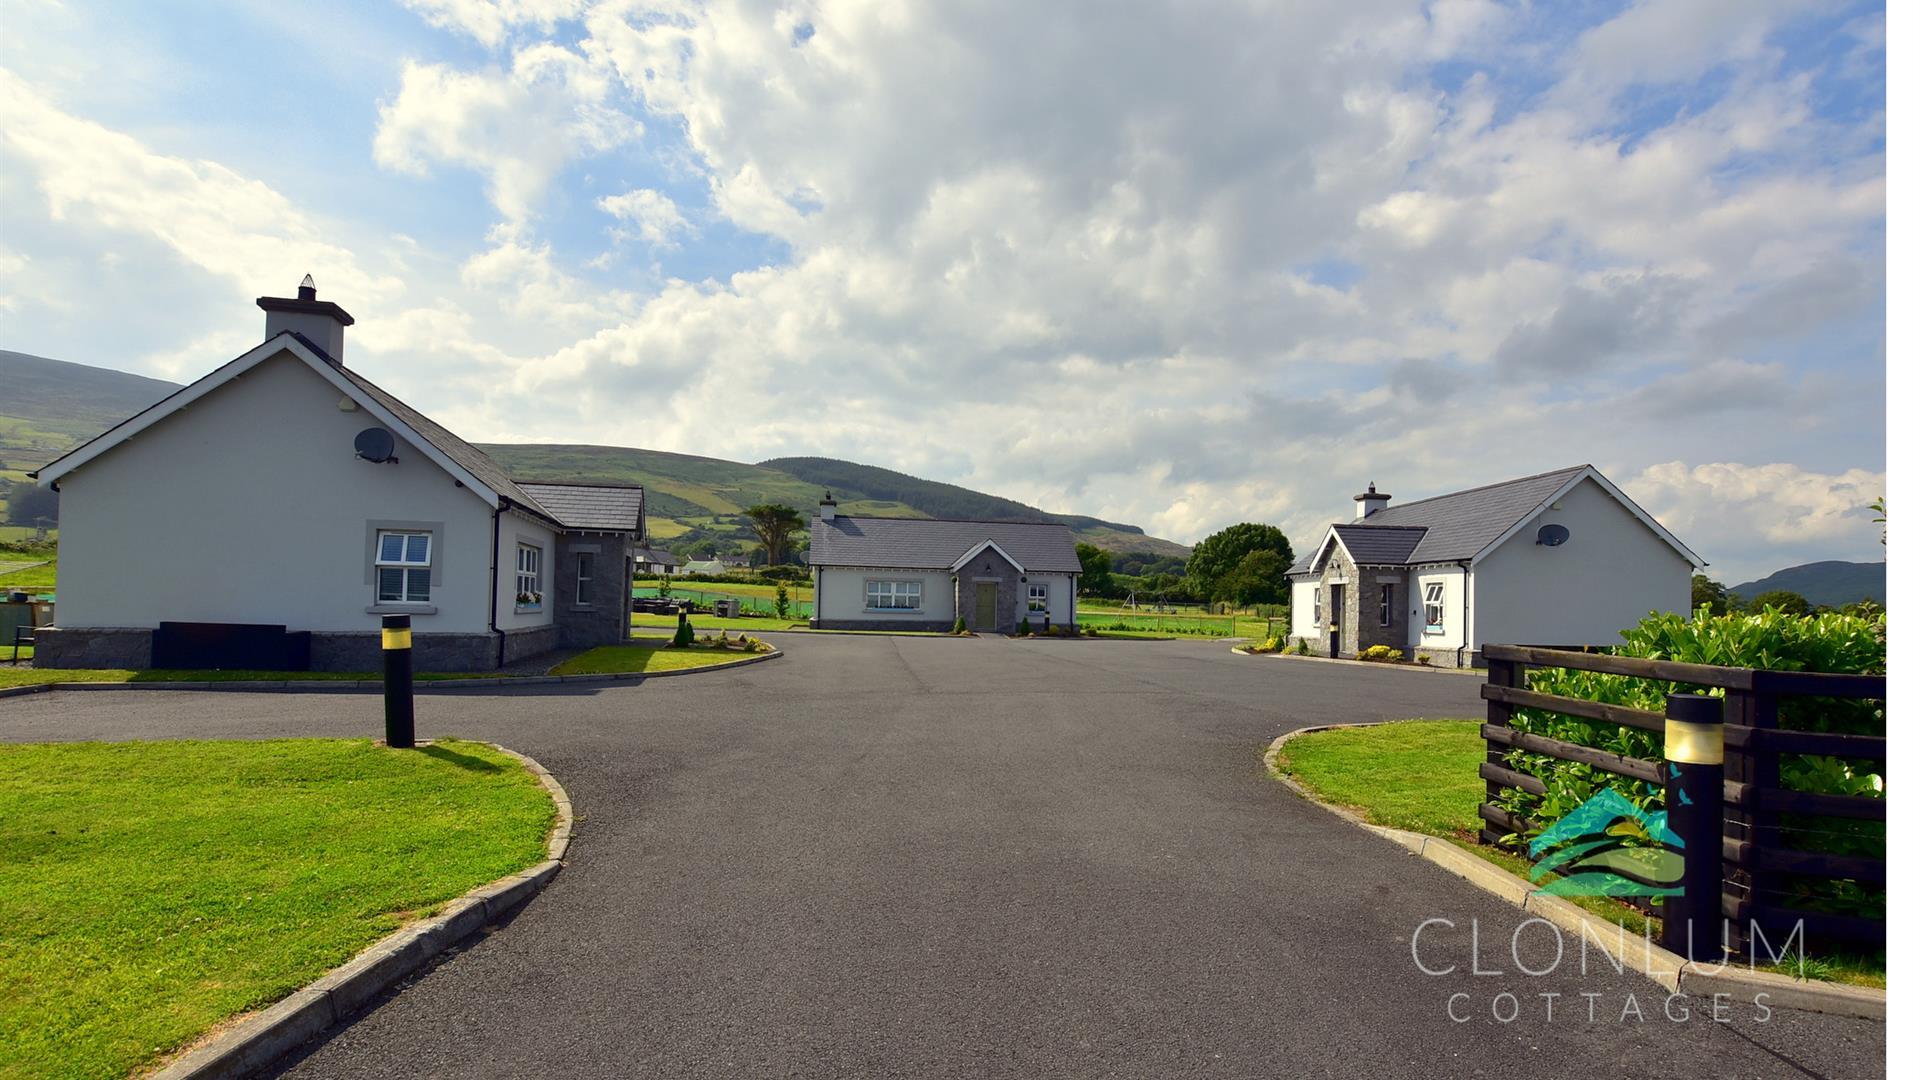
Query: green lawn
(795, 591)
(704, 623)
(26, 676)
(151, 890)
(32, 579)
(622, 659)
(1423, 776)
(1145, 623)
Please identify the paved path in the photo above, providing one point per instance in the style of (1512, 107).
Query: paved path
(913, 857)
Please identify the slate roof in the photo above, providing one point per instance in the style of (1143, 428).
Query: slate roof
(591, 507)
(1371, 544)
(937, 543)
(1453, 527)
(656, 555)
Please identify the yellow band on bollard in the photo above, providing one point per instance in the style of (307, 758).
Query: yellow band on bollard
(403, 639)
(1696, 744)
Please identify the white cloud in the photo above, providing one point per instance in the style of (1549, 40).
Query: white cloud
(490, 21)
(651, 216)
(1755, 515)
(518, 127)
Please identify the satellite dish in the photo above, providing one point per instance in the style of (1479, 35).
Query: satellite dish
(374, 444)
(1552, 535)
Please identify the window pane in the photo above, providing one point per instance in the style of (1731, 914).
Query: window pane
(417, 548)
(391, 583)
(417, 584)
(390, 546)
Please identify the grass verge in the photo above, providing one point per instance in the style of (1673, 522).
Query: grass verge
(1423, 776)
(25, 676)
(625, 659)
(152, 890)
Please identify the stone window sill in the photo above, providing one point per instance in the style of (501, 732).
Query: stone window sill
(402, 609)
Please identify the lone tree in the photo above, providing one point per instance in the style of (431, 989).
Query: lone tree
(1259, 578)
(1221, 554)
(774, 525)
(1786, 600)
(1710, 594)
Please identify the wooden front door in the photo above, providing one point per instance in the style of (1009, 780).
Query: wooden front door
(986, 596)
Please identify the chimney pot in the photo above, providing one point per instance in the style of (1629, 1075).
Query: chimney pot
(828, 507)
(1369, 502)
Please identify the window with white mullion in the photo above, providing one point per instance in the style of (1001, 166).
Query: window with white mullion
(1436, 606)
(526, 578)
(893, 596)
(1037, 599)
(403, 567)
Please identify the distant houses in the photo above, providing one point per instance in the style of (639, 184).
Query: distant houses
(1560, 558)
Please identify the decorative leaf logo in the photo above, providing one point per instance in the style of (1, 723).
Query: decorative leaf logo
(1589, 849)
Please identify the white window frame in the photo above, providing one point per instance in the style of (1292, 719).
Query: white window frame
(892, 594)
(1037, 593)
(412, 570)
(1316, 607)
(583, 578)
(526, 577)
(1386, 603)
(1434, 607)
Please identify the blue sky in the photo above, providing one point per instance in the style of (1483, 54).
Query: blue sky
(1201, 264)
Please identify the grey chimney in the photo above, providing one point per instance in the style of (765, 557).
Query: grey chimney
(322, 322)
(1368, 502)
(828, 508)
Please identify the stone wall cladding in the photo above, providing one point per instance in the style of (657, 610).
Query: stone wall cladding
(93, 647)
(1367, 585)
(354, 650)
(881, 627)
(603, 621)
(1010, 593)
(521, 644)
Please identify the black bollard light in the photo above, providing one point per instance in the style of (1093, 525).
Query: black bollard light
(1695, 771)
(396, 644)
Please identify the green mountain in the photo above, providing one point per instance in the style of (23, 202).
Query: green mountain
(1832, 583)
(48, 406)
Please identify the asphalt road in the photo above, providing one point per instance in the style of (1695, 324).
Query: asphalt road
(922, 857)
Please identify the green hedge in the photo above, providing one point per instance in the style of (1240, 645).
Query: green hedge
(1772, 639)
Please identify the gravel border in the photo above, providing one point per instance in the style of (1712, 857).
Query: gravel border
(264, 1037)
(370, 686)
(1672, 972)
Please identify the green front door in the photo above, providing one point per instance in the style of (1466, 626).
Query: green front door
(985, 595)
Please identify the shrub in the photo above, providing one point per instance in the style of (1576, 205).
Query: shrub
(683, 634)
(1299, 648)
(1773, 639)
(1424, 659)
(1267, 645)
(781, 603)
(1025, 629)
(1382, 654)
(959, 625)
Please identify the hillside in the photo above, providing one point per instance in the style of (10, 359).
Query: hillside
(693, 499)
(50, 405)
(1833, 583)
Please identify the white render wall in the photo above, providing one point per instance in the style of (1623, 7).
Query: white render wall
(1059, 599)
(1458, 605)
(841, 593)
(1609, 574)
(516, 529)
(1301, 609)
(249, 506)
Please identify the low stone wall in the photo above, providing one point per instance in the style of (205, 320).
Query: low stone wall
(357, 650)
(93, 647)
(524, 643)
(880, 624)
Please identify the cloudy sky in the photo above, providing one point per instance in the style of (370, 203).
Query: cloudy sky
(1180, 266)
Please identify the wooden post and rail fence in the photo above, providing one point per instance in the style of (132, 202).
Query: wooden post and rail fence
(1755, 847)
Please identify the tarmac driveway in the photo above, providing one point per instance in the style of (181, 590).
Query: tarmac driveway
(925, 857)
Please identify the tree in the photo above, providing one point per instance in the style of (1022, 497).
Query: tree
(1786, 600)
(774, 525)
(1259, 578)
(781, 602)
(1096, 570)
(30, 504)
(1220, 554)
(1709, 594)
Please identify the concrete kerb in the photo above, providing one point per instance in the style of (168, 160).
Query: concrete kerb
(259, 1040)
(1666, 969)
(367, 686)
(1479, 673)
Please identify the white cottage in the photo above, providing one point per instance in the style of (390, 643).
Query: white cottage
(270, 513)
(874, 573)
(1563, 558)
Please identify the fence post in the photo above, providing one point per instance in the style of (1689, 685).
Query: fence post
(1499, 714)
(1696, 777)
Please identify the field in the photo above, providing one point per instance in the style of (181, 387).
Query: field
(1143, 623)
(152, 890)
(30, 579)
